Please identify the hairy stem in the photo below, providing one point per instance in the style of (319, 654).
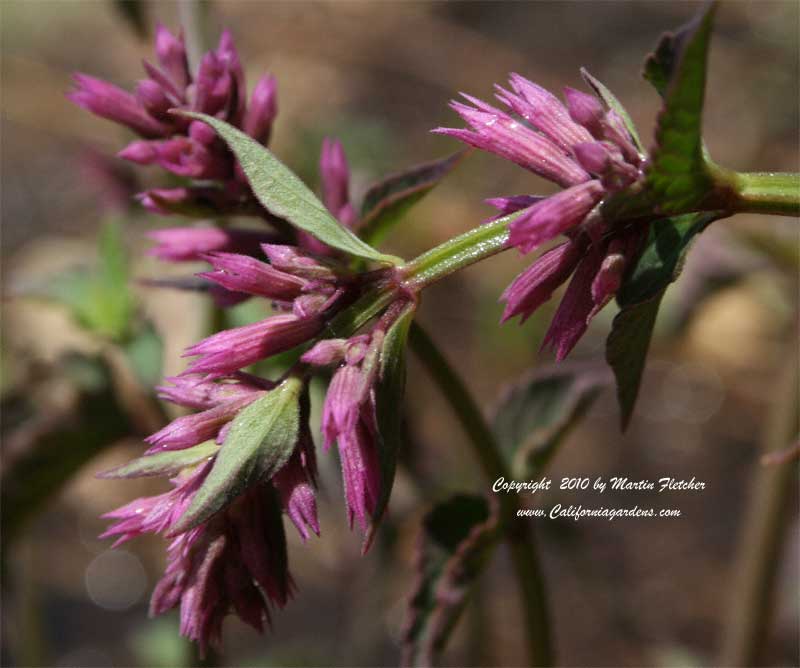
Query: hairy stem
(519, 535)
(473, 246)
(764, 533)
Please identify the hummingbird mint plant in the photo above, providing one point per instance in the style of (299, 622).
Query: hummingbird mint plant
(343, 310)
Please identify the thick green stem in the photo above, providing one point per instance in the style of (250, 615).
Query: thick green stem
(764, 533)
(768, 192)
(519, 535)
(775, 193)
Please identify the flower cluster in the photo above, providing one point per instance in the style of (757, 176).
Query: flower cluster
(191, 150)
(187, 148)
(237, 560)
(222, 563)
(588, 150)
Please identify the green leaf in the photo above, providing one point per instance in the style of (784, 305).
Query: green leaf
(261, 439)
(455, 545)
(536, 414)
(387, 201)
(286, 196)
(389, 408)
(678, 177)
(639, 297)
(164, 463)
(613, 103)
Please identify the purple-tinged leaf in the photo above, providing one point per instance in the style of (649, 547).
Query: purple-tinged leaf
(457, 539)
(387, 201)
(164, 463)
(536, 414)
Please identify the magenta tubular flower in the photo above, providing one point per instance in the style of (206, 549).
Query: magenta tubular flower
(262, 110)
(199, 393)
(335, 175)
(189, 430)
(182, 244)
(534, 286)
(186, 148)
(242, 273)
(233, 349)
(296, 484)
(155, 514)
(349, 417)
(586, 149)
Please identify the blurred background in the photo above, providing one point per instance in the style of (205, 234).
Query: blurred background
(379, 75)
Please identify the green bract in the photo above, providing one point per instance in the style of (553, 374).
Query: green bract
(261, 439)
(164, 463)
(389, 407)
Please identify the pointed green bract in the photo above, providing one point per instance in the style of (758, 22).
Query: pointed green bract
(260, 441)
(164, 463)
(678, 179)
(286, 196)
(457, 540)
(613, 103)
(387, 201)
(535, 416)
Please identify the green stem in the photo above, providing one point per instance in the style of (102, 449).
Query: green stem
(519, 535)
(473, 246)
(775, 193)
